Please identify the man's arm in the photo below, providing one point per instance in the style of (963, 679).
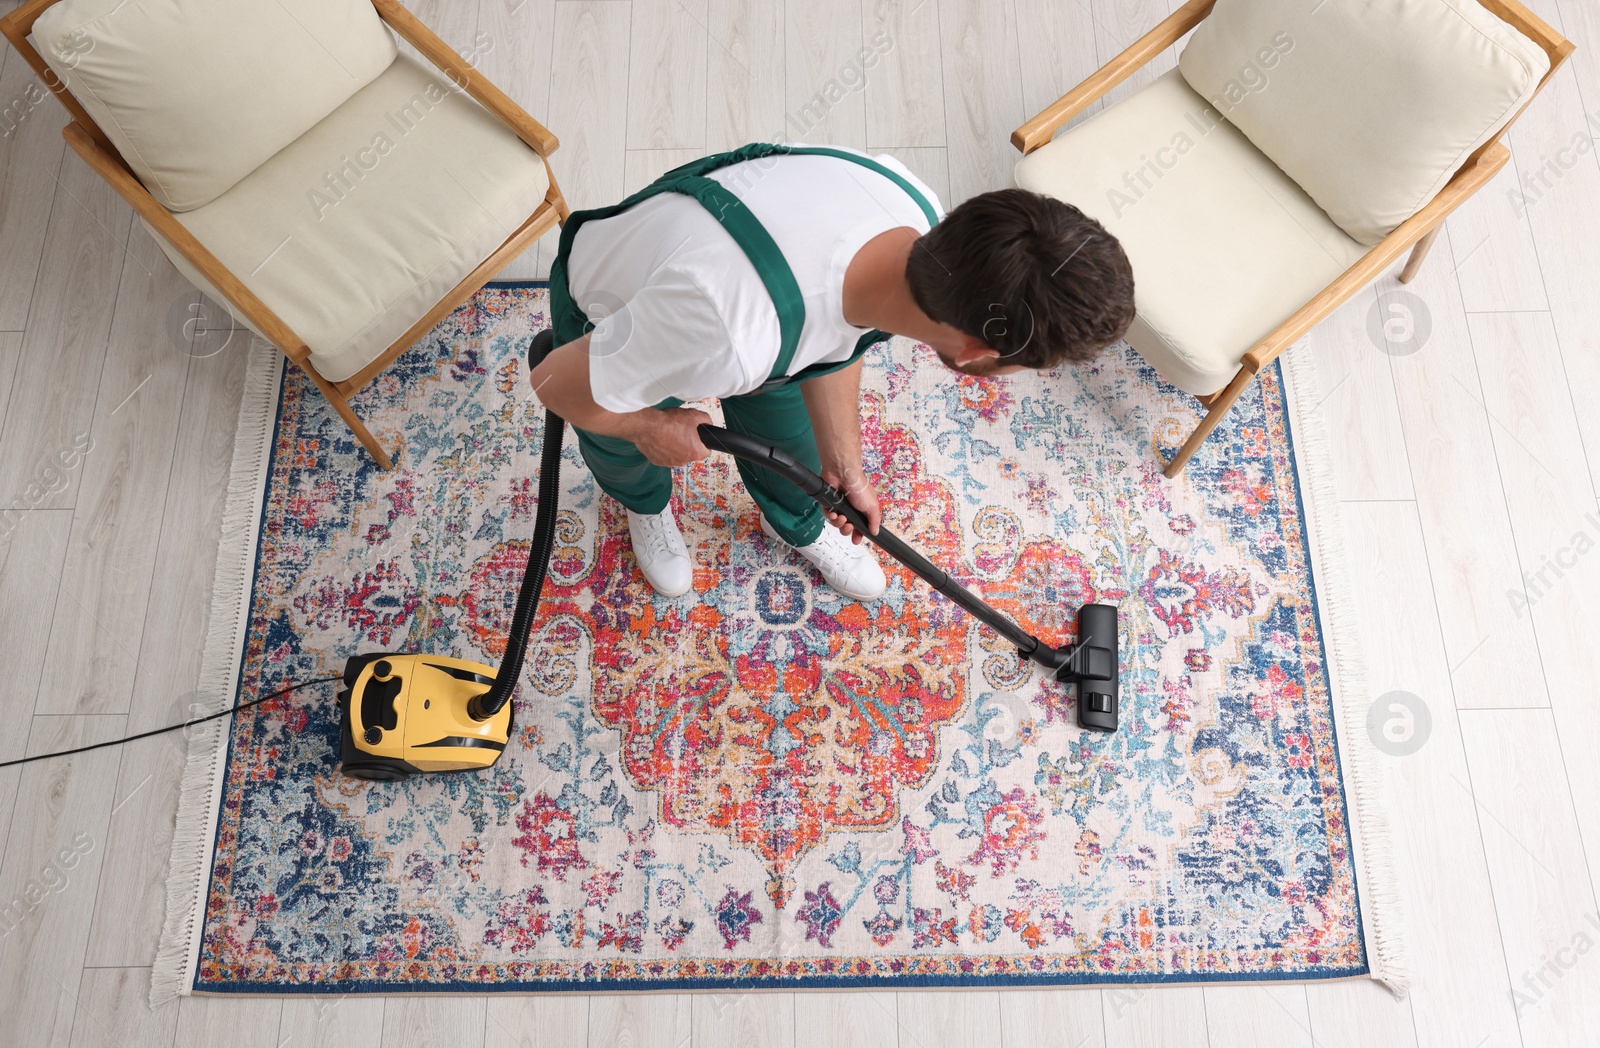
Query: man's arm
(666, 436)
(834, 403)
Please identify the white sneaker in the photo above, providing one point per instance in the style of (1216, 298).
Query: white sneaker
(847, 567)
(659, 548)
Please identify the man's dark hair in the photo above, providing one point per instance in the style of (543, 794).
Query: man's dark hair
(1033, 277)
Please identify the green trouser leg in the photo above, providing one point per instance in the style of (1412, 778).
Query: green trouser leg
(777, 417)
(622, 471)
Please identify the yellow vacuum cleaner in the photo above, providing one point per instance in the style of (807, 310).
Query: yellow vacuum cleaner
(405, 712)
(408, 713)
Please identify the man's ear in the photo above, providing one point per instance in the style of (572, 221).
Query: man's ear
(973, 351)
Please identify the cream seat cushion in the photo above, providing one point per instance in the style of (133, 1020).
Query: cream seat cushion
(1369, 105)
(358, 228)
(1224, 246)
(195, 94)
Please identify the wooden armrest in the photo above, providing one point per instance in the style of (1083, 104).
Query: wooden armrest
(1466, 182)
(148, 208)
(1040, 129)
(474, 83)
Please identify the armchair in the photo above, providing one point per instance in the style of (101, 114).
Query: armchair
(339, 197)
(1300, 147)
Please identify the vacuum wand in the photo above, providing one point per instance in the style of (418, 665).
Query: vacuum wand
(1092, 662)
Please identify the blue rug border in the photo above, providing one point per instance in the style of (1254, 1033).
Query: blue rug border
(821, 982)
(1327, 674)
(835, 982)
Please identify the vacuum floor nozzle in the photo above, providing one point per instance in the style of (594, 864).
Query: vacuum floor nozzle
(1092, 665)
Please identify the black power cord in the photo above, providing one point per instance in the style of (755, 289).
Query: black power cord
(173, 727)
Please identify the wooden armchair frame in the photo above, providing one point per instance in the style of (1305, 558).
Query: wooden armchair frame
(1417, 233)
(90, 142)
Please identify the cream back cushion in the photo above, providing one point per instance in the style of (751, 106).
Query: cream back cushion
(1370, 105)
(195, 94)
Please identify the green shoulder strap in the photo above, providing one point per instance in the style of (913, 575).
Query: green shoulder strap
(762, 150)
(570, 322)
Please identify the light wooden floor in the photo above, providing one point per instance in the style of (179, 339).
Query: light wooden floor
(1468, 470)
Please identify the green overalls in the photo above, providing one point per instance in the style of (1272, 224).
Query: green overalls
(775, 413)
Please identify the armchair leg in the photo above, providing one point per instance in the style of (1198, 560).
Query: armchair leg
(1219, 404)
(1418, 253)
(342, 406)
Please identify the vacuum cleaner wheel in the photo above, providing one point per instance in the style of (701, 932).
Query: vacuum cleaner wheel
(372, 772)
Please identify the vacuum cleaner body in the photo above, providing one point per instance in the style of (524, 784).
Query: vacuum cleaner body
(405, 713)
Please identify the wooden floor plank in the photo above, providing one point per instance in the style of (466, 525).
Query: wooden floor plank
(513, 46)
(1459, 984)
(822, 42)
(590, 49)
(1171, 1016)
(1117, 24)
(969, 1018)
(652, 1020)
(1545, 901)
(1459, 481)
(433, 1022)
(643, 166)
(33, 545)
(1557, 528)
(1567, 212)
(982, 94)
(52, 393)
(54, 853)
(559, 1021)
(1064, 1017)
(128, 912)
(667, 75)
(10, 353)
(455, 22)
(238, 1022)
(1358, 396)
(1264, 1016)
(845, 1020)
(105, 583)
(1357, 1013)
(30, 162)
(745, 74)
(114, 1011)
(743, 1020)
(1492, 247)
(351, 1021)
(904, 91)
(1056, 52)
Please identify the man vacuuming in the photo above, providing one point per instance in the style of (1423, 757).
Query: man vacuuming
(761, 277)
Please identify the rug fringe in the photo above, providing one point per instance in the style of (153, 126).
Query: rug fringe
(188, 873)
(1377, 881)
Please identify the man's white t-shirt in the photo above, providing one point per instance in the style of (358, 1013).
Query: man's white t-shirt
(678, 308)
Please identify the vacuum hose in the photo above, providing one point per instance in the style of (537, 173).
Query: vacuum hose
(544, 534)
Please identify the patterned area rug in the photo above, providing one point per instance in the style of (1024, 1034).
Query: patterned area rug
(761, 783)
